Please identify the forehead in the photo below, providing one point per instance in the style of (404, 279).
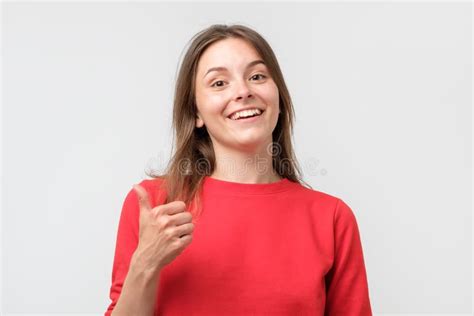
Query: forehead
(226, 52)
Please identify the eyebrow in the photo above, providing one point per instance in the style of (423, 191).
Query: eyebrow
(251, 64)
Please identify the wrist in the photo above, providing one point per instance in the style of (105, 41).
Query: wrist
(140, 267)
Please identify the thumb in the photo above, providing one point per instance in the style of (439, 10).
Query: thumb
(143, 200)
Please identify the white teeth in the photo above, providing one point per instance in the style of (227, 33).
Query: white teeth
(245, 113)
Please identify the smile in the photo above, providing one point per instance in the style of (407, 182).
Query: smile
(245, 114)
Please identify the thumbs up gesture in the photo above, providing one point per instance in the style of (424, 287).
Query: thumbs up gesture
(164, 232)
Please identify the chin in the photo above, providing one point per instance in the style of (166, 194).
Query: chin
(251, 143)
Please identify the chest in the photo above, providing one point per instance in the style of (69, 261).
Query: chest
(251, 255)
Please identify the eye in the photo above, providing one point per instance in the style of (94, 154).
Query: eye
(214, 84)
(263, 76)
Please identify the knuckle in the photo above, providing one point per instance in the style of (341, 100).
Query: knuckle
(154, 211)
(178, 243)
(159, 210)
(165, 221)
(188, 240)
(168, 233)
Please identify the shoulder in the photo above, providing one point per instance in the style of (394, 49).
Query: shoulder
(152, 184)
(333, 204)
(308, 194)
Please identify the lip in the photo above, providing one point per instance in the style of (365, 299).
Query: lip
(243, 109)
(248, 119)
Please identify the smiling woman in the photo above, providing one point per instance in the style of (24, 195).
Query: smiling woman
(225, 71)
(241, 113)
(229, 228)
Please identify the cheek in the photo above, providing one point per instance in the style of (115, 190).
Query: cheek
(211, 105)
(271, 96)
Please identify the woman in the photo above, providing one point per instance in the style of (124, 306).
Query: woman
(229, 229)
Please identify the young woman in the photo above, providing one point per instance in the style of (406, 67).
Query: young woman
(229, 229)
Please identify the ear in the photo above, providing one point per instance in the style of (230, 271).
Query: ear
(199, 122)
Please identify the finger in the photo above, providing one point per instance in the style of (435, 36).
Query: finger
(172, 208)
(143, 200)
(182, 218)
(186, 239)
(185, 229)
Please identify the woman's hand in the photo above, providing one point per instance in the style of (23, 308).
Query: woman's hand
(164, 232)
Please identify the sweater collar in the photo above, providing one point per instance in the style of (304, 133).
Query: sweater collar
(235, 188)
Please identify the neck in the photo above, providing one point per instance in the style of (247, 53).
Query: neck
(253, 166)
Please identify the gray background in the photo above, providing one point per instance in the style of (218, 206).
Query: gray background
(382, 94)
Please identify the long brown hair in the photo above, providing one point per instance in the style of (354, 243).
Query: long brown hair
(193, 157)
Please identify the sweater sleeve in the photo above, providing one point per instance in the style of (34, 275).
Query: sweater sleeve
(346, 282)
(126, 243)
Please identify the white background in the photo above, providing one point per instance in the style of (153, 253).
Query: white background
(382, 93)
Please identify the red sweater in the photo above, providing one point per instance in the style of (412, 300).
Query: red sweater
(257, 249)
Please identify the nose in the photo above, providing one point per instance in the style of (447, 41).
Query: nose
(243, 91)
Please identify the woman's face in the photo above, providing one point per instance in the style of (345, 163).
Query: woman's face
(230, 79)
